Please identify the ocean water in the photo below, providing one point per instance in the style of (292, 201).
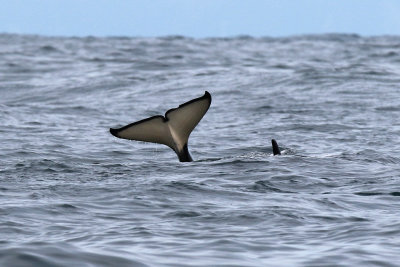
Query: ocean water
(71, 194)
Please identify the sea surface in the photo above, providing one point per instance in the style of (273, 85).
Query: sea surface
(71, 194)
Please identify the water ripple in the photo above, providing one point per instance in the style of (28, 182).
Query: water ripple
(73, 195)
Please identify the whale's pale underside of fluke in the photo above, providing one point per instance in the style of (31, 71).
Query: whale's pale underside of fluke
(172, 130)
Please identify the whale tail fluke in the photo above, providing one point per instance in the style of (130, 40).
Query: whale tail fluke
(275, 147)
(172, 130)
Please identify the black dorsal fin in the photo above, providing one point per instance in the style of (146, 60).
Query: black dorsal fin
(275, 147)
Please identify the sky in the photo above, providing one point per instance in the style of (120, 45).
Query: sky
(199, 18)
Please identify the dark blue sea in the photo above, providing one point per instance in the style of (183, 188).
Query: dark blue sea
(71, 194)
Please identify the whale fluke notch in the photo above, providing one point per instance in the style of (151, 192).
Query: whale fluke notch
(172, 130)
(275, 147)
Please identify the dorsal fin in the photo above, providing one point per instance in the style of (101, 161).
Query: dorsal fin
(172, 130)
(275, 147)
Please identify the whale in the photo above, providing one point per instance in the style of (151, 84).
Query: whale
(173, 129)
(275, 147)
